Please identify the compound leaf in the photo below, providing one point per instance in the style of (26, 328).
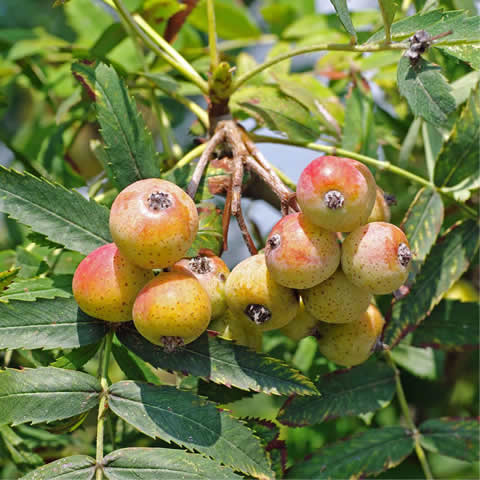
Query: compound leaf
(355, 391)
(128, 143)
(28, 290)
(188, 420)
(453, 437)
(45, 394)
(64, 216)
(155, 463)
(47, 324)
(365, 454)
(222, 361)
(76, 467)
(426, 90)
(342, 11)
(445, 264)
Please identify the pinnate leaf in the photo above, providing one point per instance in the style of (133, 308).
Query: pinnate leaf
(388, 9)
(365, 454)
(453, 325)
(76, 467)
(342, 11)
(45, 394)
(47, 324)
(445, 264)
(156, 463)
(64, 216)
(222, 361)
(28, 290)
(426, 90)
(188, 420)
(423, 221)
(359, 390)
(78, 357)
(128, 144)
(453, 437)
(458, 160)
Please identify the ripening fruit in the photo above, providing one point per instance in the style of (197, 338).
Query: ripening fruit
(80, 154)
(238, 329)
(336, 300)
(300, 254)
(381, 209)
(376, 256)
(172, 310)
(212, 272)
(105, 284)
(462, 290)
(303, 325)
(252, 292)
(351, 343)
(153, 222)
(336, 193)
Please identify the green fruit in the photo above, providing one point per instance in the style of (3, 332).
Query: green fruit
(303, 325)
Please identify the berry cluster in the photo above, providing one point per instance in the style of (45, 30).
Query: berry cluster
(305, 282)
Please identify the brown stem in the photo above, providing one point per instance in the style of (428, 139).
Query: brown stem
(227, 213)
(213, 143)
(175, 22)
(245, 233)
(263, 174)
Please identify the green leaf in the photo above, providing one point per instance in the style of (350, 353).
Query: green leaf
(445, 264)
(355, 391)
(359, 127)
(458, 159)
(64, 216)
(427, 92)
(76, 467)
(45, 394)
(188, 420)
(18, 451)
(132, 365)
(423, 221)
(48, 324)
(28, 290)
(156, 463)
(453, 325)
(421, 362)
(365, 454)
(233, 19)
(222, 361)
(342, 11)
(453, 437)
(467, 53)
(432, 143)
(77, 358)
(388, 9)
(128, 143)
(210, 231)
(279, 112)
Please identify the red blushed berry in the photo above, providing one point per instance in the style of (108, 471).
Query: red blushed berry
(336, 193)
(153, 222)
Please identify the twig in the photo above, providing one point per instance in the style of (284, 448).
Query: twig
(227, 214)
(176, 21)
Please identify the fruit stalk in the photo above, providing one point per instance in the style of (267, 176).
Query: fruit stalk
(103, 405)
(402, 400)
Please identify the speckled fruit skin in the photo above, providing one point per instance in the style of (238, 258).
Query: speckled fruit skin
(381, 209)
(300, 254)
(303, 325)
(153, 238)
(173, 304)
(349, 177)
(336, 300)
(250, 283)
(213, 280)
(370, 257)
(105, 284)
(351, 343)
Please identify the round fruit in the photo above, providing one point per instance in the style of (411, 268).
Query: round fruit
(212, 272)
(376, 256)
(303, 325)
(336, 193)
(105, 284)
(336, 300)
(381, 209)
(300, 254)
(172, 310)
(80, 155)
(462, 290)
(252, 292)
(153, 222)
(351, 343)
